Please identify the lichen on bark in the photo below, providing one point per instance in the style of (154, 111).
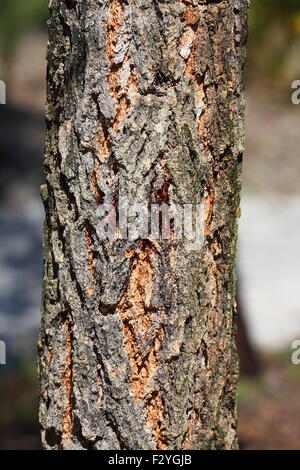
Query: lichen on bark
(144, 103)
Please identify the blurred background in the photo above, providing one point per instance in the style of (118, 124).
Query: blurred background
(269, 257)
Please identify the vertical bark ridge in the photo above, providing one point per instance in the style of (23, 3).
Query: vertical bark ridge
(67, 414)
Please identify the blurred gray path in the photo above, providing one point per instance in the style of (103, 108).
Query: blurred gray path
(269, 259)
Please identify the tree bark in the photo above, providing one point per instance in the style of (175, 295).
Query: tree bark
(144, 103)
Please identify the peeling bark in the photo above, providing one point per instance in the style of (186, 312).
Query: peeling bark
(145, 103)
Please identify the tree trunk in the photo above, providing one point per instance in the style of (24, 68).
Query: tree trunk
(144, 104)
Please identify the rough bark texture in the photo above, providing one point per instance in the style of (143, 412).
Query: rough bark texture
(137, 346)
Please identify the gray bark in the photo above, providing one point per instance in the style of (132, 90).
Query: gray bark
(137, 345)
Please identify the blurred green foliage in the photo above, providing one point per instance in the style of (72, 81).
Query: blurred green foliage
(17, 17)
(264, 14)
(19, 428)
(274, 40)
